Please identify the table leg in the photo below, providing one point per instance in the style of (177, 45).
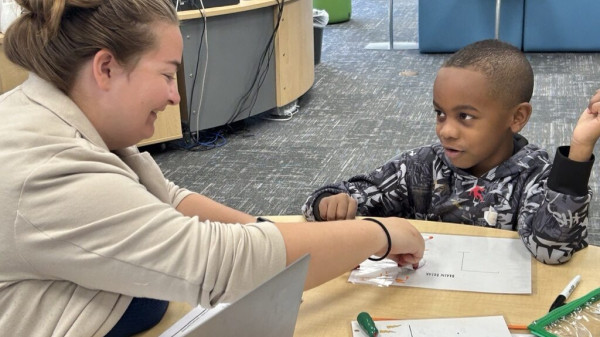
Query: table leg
(391, 44)
(497, 26)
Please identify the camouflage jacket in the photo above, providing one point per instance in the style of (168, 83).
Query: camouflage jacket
(547, 203)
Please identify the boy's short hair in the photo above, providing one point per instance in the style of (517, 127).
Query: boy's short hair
(505, 66)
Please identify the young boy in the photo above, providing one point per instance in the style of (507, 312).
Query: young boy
(482, 172)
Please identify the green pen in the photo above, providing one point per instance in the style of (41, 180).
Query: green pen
(366, 323)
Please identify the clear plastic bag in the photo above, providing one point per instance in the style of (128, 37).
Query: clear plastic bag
(579, 318)
(320, 18)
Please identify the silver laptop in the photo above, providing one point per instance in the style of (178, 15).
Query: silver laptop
(270, 310)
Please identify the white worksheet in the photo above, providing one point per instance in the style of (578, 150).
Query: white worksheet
(489, 326)
(457, 262)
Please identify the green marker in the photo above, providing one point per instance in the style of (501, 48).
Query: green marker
(366, 323)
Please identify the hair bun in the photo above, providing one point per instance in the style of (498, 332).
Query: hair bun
(45, 14)
(52, 38)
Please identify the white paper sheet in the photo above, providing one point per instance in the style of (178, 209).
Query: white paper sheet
(457, 262)
(191, 320)
(488, 326)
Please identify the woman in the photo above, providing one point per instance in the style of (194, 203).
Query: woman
(94, 240)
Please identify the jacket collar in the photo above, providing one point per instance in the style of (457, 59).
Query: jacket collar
(47, 95)
(518, 162)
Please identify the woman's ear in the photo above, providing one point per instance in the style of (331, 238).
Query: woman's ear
(104, 68)
(520, 116)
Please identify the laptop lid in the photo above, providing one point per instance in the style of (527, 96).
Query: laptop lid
(270, 310)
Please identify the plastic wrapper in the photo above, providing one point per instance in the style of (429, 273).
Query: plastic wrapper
(579, 318)
(381, 273)
(320, 18)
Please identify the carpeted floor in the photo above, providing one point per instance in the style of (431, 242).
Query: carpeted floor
(365, 106)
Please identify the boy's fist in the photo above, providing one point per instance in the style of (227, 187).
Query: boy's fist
(340, 206)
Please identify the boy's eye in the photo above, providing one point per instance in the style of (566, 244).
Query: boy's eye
(465, 116)
(439, 113)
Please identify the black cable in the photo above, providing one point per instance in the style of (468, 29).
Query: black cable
(206, 140)
(271, 52)
(196, 70)
(261, 72)
(251, 94)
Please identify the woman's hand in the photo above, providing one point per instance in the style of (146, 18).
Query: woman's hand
(408, 245)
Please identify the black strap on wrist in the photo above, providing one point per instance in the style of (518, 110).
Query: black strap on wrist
(261, 219)
(389, 239)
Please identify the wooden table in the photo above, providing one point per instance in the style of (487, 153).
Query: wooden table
(328, 309)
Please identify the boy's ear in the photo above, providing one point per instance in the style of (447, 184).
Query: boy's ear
(520, 116)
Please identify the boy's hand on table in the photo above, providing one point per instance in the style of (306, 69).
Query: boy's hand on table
(339, 206)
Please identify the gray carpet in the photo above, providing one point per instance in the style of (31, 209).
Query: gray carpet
(365, 106)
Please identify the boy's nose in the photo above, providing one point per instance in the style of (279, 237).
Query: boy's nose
(447, 131)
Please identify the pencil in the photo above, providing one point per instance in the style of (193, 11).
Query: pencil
(518, 327)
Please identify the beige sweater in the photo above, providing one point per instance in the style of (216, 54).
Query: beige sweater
(83, 229)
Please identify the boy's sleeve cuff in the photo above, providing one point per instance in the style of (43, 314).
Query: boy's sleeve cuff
(568, 176)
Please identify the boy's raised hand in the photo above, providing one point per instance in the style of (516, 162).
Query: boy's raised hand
(587, 131)
(339, 206)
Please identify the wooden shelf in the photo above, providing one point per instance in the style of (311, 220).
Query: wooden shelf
(244, 5)
(11, 75)
(167, 126)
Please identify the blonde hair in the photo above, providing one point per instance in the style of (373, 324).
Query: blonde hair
(54, 38)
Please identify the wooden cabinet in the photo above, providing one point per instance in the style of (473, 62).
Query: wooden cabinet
(167, 126)
(232, 54)
(294, 46)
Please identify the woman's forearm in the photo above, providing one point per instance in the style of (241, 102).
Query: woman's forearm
(208, 209)
(338, 246)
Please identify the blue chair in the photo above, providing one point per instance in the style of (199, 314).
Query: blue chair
(448, 25)
(561, 25)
